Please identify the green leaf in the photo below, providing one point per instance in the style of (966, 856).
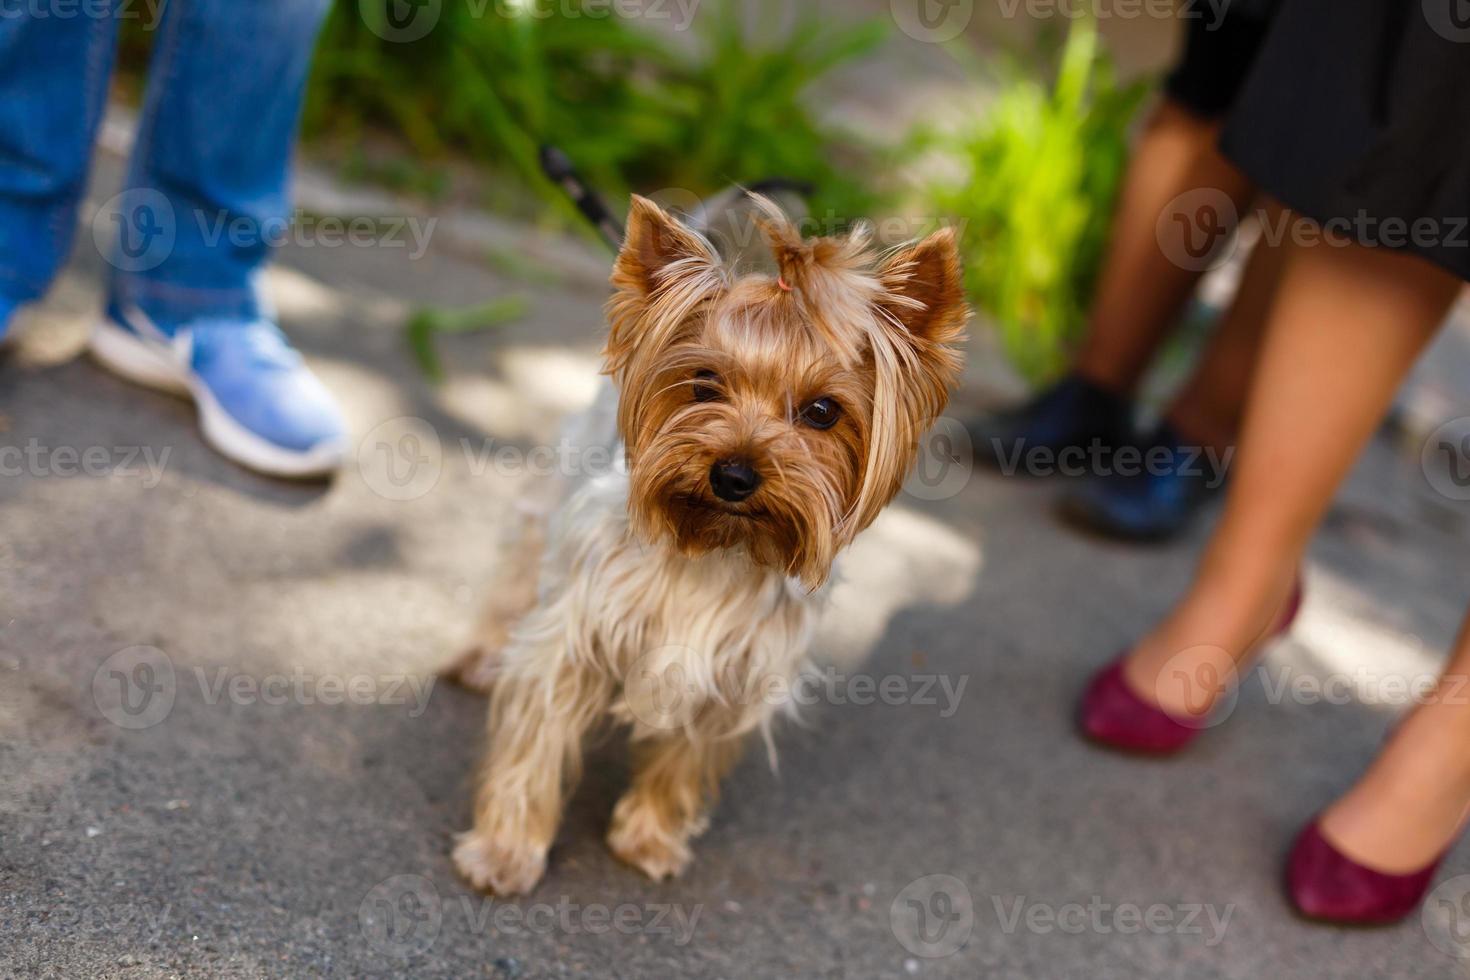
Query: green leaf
(428, 323)
(1041, 167)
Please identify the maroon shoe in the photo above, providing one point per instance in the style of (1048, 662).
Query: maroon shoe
(1112, 714)
(1326, 884)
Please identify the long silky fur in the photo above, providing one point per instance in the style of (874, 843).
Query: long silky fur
(647, 576)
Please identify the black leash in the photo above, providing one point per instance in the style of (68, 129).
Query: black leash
(560, 170)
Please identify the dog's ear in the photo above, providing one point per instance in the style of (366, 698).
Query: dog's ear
(925, 290)
(656, 249)
(923, 308)
(921, 313)
(663, 272)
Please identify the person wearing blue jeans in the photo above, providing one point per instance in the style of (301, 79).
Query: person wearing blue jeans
(205, 193)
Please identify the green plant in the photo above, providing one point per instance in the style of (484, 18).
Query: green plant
(744, 114)
(426, 324)
(482, 85)
(492, 82)
(1039, 171)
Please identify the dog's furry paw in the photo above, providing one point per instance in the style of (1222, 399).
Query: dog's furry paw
(505, 867)
(475, 669)
(638, 841)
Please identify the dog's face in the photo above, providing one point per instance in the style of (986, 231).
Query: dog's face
(778, 415)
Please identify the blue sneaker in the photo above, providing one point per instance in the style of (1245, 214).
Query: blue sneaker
(1152, 502)
(259, 404)
(7, 312)
(1073, 413)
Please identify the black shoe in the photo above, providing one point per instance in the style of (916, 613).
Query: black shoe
(1149, 494)
(1073, 414)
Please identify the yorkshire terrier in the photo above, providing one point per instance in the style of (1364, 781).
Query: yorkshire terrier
(765, 420)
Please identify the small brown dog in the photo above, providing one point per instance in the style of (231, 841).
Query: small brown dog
(766, 421)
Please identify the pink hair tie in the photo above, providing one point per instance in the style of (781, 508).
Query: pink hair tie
(782, 283)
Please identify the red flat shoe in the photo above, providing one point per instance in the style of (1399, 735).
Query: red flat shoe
(1326, 884)
(1112, 714)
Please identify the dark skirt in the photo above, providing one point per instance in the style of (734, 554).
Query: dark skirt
(1219, 50)
(1357, 115)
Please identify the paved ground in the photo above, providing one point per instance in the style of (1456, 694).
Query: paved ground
(232, 824)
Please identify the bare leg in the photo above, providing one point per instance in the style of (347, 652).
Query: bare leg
(1347, 324)
(540, 710)
(676, 780)
(1211, 404)
(1140, 291)
(1407, 807)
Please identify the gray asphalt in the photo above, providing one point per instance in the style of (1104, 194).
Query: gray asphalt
(233, 824)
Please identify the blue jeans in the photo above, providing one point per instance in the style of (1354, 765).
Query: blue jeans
(207, 188)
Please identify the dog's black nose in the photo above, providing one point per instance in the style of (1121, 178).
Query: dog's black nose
(733, 480)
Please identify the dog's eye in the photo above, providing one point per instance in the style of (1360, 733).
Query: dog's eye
(706, 386)
(821, 413)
